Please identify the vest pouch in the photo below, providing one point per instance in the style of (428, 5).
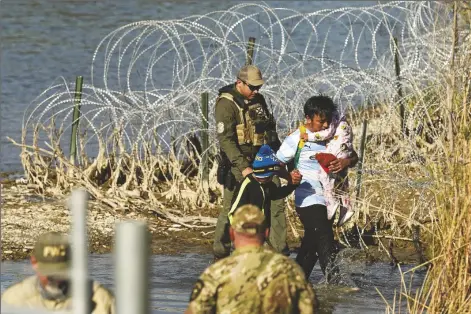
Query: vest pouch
(243, 136)
(258, 138)
(255, 138)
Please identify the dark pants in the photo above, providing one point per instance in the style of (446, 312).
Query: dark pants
(318, 241)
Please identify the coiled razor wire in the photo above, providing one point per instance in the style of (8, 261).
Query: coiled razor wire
(147, 77)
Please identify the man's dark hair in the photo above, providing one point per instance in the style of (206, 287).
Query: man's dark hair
(320, 105)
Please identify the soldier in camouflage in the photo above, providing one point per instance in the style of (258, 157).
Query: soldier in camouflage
(253, 279)
(244, 124)
(49, 288)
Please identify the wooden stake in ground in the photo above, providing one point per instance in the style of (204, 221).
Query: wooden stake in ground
(76, 118)
(205, 141)
(250, 48)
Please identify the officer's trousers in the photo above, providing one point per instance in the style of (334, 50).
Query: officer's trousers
(318, 241)
(277, 236)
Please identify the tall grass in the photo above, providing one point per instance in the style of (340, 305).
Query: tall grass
(447, 285)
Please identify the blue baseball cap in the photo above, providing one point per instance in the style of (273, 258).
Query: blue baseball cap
(265, 164)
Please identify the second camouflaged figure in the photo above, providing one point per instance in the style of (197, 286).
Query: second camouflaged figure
(49, 289)
(253, 279)
(243, 125)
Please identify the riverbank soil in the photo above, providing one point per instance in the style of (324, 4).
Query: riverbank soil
(25, 215)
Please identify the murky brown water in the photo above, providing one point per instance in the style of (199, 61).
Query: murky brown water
(172, 277)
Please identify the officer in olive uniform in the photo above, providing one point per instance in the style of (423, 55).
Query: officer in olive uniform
(253, 279)
(49, 288)
(243, 125)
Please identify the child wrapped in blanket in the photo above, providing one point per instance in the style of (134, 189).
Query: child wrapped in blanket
(339, 138)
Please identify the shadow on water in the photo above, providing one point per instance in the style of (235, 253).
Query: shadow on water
(172, 278)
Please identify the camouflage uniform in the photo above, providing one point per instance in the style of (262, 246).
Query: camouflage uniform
(230, 112)
(27, 294)
(253, 279)
(52, 255)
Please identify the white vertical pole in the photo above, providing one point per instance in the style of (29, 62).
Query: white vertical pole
(1, 202)
(80, 285)
(132, 268)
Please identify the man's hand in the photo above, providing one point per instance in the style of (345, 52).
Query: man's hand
(247, 171)
(296, 177)
(339, 164)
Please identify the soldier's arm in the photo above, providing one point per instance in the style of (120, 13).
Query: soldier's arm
(203, 296)
(12, 295)
(306, 297)
(227, 134)
(307, 301)
(20, 293)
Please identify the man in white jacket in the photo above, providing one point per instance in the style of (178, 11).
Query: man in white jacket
(310, 201)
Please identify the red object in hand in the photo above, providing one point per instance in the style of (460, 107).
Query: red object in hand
(324, 160)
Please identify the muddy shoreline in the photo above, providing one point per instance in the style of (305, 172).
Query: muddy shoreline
(24, 216)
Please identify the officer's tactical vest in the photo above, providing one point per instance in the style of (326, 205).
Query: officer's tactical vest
(249, 132)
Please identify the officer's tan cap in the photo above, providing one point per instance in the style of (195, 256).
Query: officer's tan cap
(249, 219)
(251, 75)
(52, 253)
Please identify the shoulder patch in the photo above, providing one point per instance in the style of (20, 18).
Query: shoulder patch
(220, 127)
(199, 285)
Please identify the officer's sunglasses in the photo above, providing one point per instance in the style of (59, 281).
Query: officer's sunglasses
(251, 87)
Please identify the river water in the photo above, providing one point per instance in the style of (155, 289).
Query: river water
(42, 41)
(172, 277)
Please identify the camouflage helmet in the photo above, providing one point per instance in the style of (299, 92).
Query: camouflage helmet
(249, 219)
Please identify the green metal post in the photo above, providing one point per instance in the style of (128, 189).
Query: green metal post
(76, 118)
(398, 84)
(204, 136)
(250, 48)
(361, 157)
